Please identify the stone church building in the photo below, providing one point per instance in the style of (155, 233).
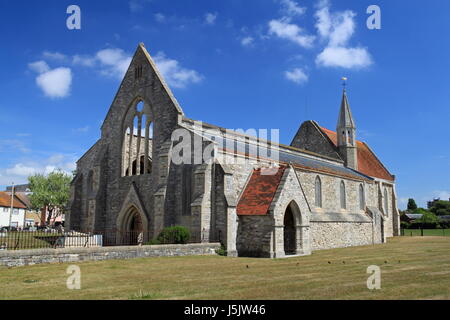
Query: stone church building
(326, 190)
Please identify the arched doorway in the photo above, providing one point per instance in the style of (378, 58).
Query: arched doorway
(132, 227)
(289, 232)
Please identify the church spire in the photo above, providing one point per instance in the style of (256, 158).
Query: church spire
(345, 115)
(346, 132)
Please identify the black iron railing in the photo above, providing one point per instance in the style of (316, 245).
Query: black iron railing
(23, 240)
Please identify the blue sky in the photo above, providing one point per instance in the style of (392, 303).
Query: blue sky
(236, 64)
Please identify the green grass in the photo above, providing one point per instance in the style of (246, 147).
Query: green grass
(427, 232)
(412, 268)
(28, 240)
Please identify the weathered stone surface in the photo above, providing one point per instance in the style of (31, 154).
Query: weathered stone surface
(31, 257)
(203, 196)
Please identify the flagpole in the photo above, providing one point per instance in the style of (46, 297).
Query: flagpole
(12, 206)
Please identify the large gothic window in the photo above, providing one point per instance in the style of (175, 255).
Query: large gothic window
(137, 140)
(318, 192)
(343, 196)
(362, 198)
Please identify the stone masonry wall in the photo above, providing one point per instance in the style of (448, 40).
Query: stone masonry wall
(74, 255)
(328, 235)
(254, 234)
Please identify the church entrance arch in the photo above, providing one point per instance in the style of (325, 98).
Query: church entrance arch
(131, 229)
(289, 232)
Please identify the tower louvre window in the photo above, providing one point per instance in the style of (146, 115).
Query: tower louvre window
(138, 72)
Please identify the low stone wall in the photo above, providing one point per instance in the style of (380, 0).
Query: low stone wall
(31, 257)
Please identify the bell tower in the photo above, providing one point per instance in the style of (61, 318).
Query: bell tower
(346, 133)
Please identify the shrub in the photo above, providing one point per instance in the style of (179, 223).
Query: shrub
(153, 242)
(405, 225)
(429, 221)
(174, 235)
(221, 251)
(445, 224)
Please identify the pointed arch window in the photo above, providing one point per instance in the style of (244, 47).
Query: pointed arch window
(318, 192)
(91, 181)
(137, 142)
(343, 199)
(386, 202)
(362, 198)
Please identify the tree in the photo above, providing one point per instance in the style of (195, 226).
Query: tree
(428, 220)
(441, 208)
(51, 192)
(412, 206)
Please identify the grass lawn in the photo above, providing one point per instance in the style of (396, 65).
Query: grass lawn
(27, 240)
(412, 268)
(428, 232)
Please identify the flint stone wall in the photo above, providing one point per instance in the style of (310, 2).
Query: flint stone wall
(73, 255)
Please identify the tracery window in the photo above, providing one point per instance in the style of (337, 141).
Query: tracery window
(137, 140)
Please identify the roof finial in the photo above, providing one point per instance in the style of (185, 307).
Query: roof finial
(344, 82)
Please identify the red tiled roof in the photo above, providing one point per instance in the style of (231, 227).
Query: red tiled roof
(368, 163)
(260, 191)
(5, 201)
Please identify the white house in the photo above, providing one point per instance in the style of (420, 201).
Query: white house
(17, 217)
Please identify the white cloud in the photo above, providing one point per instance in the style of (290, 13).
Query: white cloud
(344, 57)
(210, 18)
(323, 17)
(337, 29)
(443, 195)
(247, 41)
(23, 134)
(85, 61)
(81, 130)
(13, 145)
(174, 74)
(289, 31)
(114, 61)
(39, 66)
(137, 5)
(292, 8)
(159, 17)
(20, 172)
(296, 75)
(54, 56)
(55, 83)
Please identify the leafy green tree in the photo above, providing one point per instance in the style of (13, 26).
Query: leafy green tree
(429, 217)
(428, 220)
(441, 208)
(421, 211)
(412, 206)
(51, 192)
